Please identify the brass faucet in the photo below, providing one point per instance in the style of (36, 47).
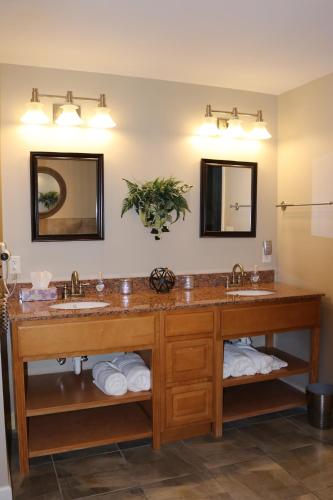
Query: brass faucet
(240, 277)
(76, 289)
(76, 286)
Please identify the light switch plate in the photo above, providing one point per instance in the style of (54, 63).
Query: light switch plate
(15, 264)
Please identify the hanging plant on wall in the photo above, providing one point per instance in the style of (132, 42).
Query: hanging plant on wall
(159, 203)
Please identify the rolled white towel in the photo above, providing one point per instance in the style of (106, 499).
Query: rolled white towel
(108, 379)
(136, 372)
(278, 363)
(236, 363)
(263, 362)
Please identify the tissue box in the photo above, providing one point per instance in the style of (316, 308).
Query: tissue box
(31, 294)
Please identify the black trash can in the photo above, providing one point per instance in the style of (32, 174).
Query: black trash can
(320, 405)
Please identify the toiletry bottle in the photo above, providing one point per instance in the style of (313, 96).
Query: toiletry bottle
(100, 284)
(255, 276)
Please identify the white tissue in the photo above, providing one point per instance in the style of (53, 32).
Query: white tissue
(40, 279)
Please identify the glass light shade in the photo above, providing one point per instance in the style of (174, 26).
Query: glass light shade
(235, 128)
(260, 131)
(209, 127)
(35, 114)
(102, 118)
(68, 116)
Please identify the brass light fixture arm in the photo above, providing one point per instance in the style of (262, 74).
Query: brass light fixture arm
(69, 97)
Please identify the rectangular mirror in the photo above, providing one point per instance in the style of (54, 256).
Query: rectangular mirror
(66, 196)
(228, 203)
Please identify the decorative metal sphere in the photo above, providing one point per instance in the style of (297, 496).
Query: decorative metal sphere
(162, 280)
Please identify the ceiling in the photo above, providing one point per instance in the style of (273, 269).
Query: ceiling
(261, 45)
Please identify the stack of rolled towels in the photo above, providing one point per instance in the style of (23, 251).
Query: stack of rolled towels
(242, 359)
(121, 373)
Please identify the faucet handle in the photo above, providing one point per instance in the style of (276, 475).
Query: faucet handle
(65, 291)
(226, 281)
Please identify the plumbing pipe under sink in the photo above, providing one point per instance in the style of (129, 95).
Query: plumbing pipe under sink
(77, 365)
(76, 361)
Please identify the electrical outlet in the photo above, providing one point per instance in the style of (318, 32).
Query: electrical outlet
(266, 258)
(15, 264)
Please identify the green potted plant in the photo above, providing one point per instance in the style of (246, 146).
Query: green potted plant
(159, 203)
(48, 199)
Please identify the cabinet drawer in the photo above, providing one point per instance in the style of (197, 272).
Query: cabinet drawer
(189, 404)
(189, 360)
(41, 339)
(189, 323)
(265, 318)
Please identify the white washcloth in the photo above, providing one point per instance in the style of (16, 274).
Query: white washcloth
(263, 362)
(136, 372)
(108, 379)
(278, 363)
(236, 363)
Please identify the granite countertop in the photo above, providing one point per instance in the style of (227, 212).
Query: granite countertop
(150, 301)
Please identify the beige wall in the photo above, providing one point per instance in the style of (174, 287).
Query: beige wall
(305, 174)
(5, 488)
(155, 137)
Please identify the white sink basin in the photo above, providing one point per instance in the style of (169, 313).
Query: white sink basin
(249, 293)
(80, 305)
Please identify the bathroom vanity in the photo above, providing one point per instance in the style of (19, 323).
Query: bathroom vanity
(180, 336)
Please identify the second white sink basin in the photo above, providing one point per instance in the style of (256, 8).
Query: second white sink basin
(249, 293)
(80, 305)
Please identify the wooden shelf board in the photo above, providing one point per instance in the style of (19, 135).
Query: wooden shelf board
(295, 366)
(259, 398)
(87, 428)
(65, 391)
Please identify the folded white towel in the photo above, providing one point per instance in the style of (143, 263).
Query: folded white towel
(108, 379)
(236, 363)
(136, 372)
(278, 363)
(263, 362)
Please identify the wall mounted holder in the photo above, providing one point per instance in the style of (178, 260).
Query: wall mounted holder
(283, 205)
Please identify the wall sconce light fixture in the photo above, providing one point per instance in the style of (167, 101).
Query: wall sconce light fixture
(228, 123)
(67, 114)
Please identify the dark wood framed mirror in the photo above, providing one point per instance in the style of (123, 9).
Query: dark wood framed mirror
(67, 196)
(228, 199)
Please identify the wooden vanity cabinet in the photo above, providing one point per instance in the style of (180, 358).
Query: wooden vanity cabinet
(184, 349)
(62, 411)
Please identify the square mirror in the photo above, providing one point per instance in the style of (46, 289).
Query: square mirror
(66, 196)
(228, 203)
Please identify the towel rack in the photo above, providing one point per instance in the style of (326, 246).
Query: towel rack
(237, 206)
(283, 205)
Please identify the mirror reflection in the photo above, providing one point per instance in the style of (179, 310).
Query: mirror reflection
(66, 196)
(228, 198)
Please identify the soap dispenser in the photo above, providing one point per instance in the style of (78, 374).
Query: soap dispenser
(100, 284)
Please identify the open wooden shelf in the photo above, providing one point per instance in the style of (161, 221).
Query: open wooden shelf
(244, 401)
(295, 366)
(62, 392)
(87, 428)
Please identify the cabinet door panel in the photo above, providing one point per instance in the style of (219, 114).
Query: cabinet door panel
(189, 360)
(189, 404)
(265, 318)
(189, 323)
(47, 339)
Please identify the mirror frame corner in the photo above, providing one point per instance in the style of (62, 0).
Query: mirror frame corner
(99, 235)
(204, 165)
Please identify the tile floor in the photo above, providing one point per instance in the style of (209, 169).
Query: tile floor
(277, 456)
